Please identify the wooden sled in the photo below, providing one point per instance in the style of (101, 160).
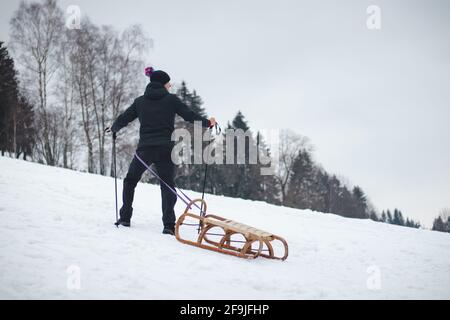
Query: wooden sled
(229, 228)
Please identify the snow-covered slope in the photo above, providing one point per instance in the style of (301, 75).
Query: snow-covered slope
(57, 224)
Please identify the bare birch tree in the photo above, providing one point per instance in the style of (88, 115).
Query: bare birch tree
(35, 30)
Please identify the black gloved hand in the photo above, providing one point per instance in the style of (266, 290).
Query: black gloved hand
(108, 130)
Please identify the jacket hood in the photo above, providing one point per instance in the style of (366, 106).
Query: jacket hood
(155, 91)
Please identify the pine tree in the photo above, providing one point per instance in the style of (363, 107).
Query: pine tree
(401, 221)
(334, 185)
(439, 225)
(383, 216)
(345, 203)
(373, 216)
(398, 218)
(195, 103)
(184, 95)
(242, 178)
(8, 97)
(408, 223)
(360, 203)
(412, 224)
(183, 92)
(389, 217)
(322, 191)
(16, 113)
(300, 188)
(447, 225)
(239, 122)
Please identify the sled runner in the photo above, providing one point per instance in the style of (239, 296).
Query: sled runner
(228, 228)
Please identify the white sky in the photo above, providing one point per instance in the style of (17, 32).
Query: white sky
(375, 104)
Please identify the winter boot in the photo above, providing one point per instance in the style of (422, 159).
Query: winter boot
(123, 223)
(169, 230)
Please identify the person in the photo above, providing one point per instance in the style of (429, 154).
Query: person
(156, 111)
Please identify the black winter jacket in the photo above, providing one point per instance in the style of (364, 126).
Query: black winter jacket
(156, 111)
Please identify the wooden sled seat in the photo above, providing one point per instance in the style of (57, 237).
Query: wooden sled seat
(247, 231)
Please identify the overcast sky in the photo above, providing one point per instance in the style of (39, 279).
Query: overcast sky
(375, 103)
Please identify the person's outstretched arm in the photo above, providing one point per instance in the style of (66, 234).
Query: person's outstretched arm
(125, 118)
(188, 115)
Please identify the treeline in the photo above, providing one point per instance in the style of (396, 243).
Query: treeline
(397, 218)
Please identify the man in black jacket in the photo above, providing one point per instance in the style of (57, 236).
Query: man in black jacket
(156, 111)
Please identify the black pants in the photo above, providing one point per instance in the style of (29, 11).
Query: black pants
(160, 156)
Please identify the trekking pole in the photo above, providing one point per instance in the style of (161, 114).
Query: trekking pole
(203, 195)
(218, 131)
(115, 177)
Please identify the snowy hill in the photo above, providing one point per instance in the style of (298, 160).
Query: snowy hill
(57, 222)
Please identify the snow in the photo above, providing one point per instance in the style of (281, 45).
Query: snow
(57, 241)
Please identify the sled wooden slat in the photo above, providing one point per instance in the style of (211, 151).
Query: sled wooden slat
(247, 231)
(230, 228)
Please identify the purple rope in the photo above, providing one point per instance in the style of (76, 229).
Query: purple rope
(184, 194)
(174, 191)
